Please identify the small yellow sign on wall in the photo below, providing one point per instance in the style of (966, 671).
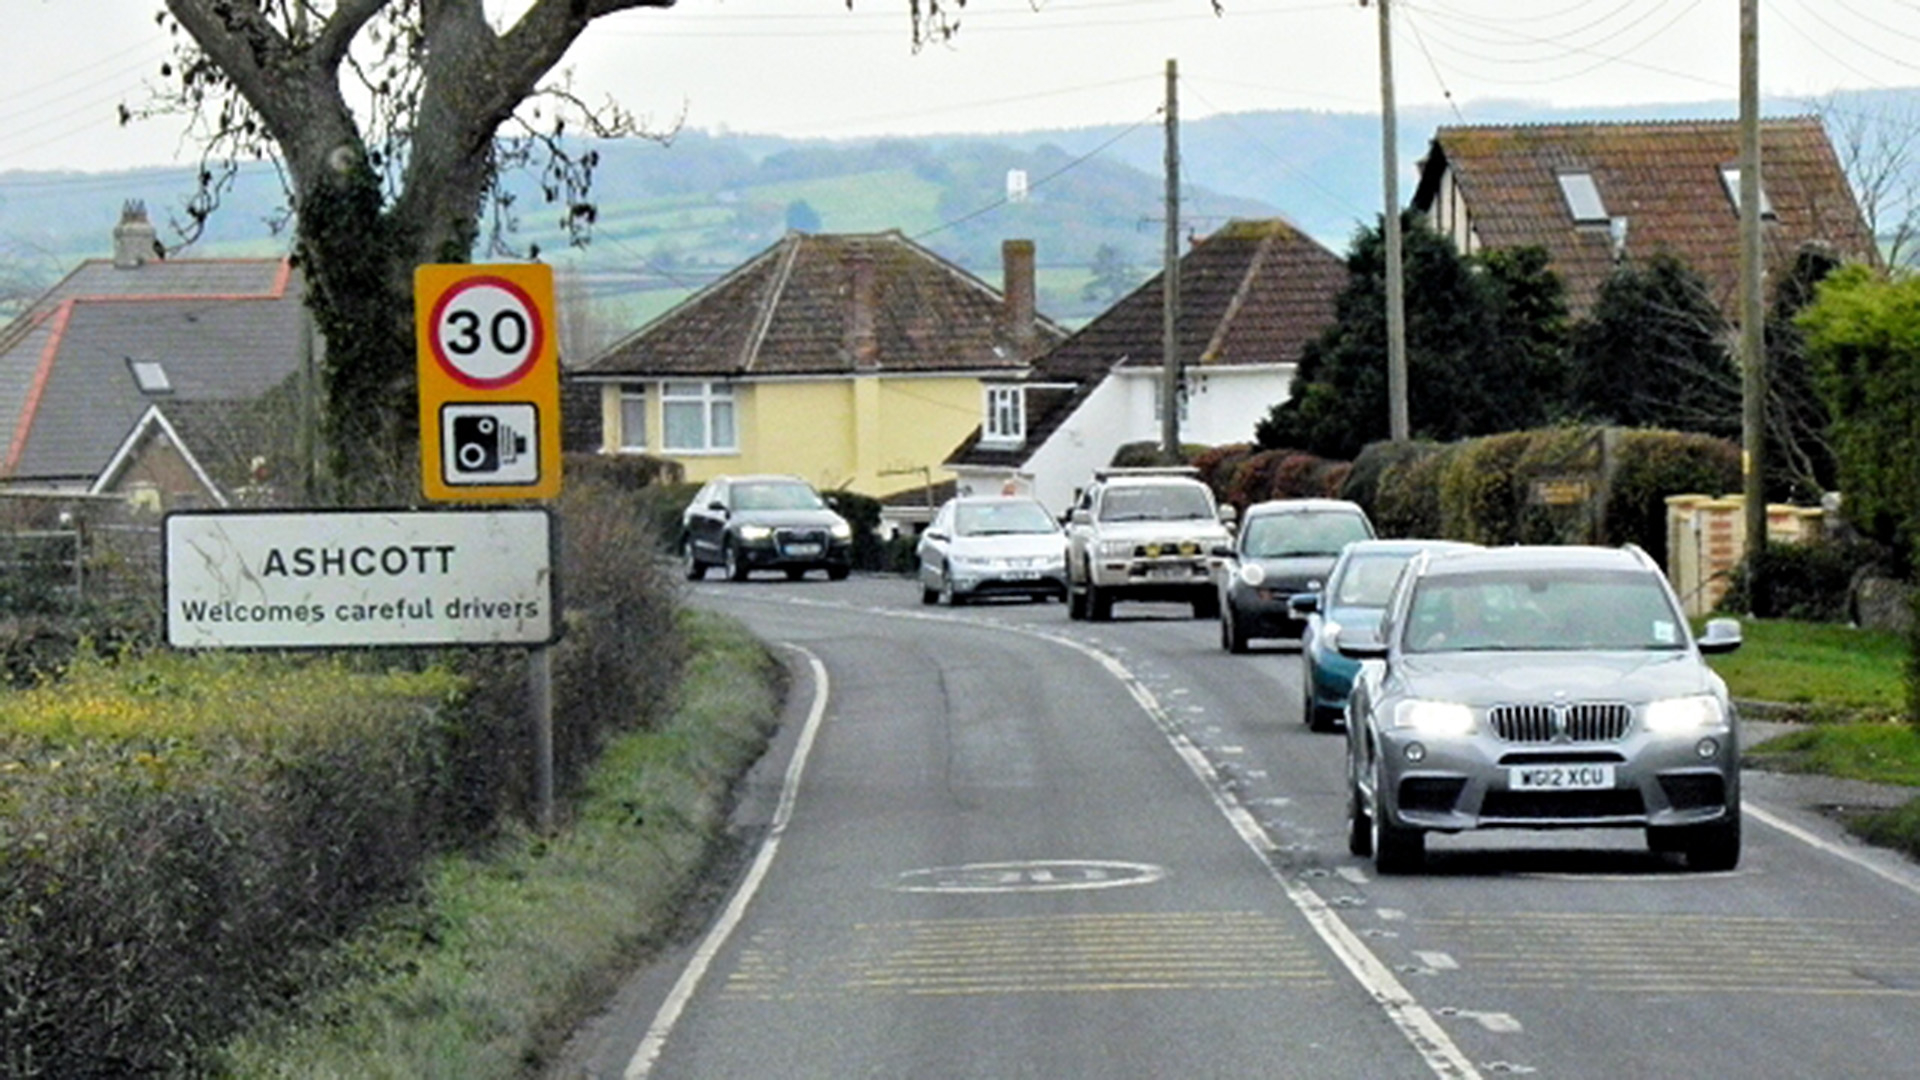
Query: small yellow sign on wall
(489, 375)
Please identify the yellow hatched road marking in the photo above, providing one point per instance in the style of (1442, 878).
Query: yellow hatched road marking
(1043, 954)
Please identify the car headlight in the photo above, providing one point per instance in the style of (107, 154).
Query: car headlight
(1116, 549)
(1253, 574)
(1433, 717)
(841, 530)
(755, 532)
(1676, 716)
(968, 562)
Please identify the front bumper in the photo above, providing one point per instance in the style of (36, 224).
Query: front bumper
(980, 582)
(783, 551)
(1459, 784)
(1262, 610)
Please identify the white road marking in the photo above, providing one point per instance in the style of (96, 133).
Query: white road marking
(1905, 881)
(1438, 961)
(683, 989)
(1353, 875)
(1388, 914)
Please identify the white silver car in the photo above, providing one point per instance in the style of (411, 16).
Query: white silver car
(980, 546)
(1540, 688)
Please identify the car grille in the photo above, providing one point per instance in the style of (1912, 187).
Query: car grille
(786, 538)
(1563, 805)
(1587, 721)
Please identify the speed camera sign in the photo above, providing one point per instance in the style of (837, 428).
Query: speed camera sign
(489, 376)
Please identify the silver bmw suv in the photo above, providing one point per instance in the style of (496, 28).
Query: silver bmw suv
(1540, 688)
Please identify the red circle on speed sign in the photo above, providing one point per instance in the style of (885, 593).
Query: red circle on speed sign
(486, 332)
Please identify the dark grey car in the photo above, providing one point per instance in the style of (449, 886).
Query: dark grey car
(1540, 688)
(1283, 547)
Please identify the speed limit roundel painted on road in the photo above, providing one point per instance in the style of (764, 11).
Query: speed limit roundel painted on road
(486, 332)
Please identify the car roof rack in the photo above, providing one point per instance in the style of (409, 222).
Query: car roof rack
(1145, 470)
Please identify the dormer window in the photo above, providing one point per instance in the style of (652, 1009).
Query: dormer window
(1006, 415)
(149, 376)
(1583, 198)
(1730, 179)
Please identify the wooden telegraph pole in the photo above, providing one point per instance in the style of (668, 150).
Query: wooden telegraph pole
(1753, 354)
(1170, 281)
(1398, 424)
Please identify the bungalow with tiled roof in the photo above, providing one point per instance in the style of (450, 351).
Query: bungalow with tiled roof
(1251, 296)
(1592, 194)
(853, 360)
(173, 382)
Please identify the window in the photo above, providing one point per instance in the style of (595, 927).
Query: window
(697, 417)
(1006, 414)
(1730, 179)
(150, 377)
(1583, 198)
(633, 418)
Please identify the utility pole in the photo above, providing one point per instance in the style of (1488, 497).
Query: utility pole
(1170, 376)
(1753, 354)
(1398, 424)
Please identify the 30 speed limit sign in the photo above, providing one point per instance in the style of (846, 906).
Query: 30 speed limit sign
(489, 376)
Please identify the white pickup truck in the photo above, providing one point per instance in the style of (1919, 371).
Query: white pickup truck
(1144, 534)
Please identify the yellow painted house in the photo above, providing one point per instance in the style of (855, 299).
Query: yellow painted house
(853, 360)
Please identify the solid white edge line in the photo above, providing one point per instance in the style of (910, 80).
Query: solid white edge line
(1828, 846)
(683, 989)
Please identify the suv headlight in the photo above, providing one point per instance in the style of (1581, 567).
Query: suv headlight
(1678, 716)
(1433, 717)
(753, 533)
(1116, 549)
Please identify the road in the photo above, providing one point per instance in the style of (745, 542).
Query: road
(1003, 844)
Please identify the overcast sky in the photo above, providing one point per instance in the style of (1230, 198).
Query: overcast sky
(804, 68)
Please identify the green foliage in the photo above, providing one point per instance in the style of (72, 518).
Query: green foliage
(1648, 466)
(1407, 494)
(863, 514)
(1482, 494)
(1653, 353)
(1799, 456)
(1283, 474)
(1483, 349)
(1809, 582)
(1110, 277)
(1147, 455)
(1863, 333)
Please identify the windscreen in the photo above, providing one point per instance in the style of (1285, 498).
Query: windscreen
(775, 496)
(1297, 535)
(1367, 579)
(1156, 502)
(1002, 519)
(1553, 610)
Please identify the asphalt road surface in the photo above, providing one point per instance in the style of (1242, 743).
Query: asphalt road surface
(997, 843)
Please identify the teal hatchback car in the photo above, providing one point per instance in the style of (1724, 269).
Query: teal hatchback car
(1350, 601)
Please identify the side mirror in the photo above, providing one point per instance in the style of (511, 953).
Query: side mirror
(936, 534)
(1359, 645)
(1228, 515)
(1079, 516)
(1302, 604)
(1722, 636)
(717, 506)
(1223, 551)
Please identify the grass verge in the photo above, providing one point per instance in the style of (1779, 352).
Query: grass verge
(1818, 671)
(1848, 686)
(502, 955)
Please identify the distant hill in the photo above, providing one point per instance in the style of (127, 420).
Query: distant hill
(675, 216)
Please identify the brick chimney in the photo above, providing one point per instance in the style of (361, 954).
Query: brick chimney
(134, 239)
(1016, 259)
(861, 339)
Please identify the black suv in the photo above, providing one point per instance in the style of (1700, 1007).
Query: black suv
(748, 523)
